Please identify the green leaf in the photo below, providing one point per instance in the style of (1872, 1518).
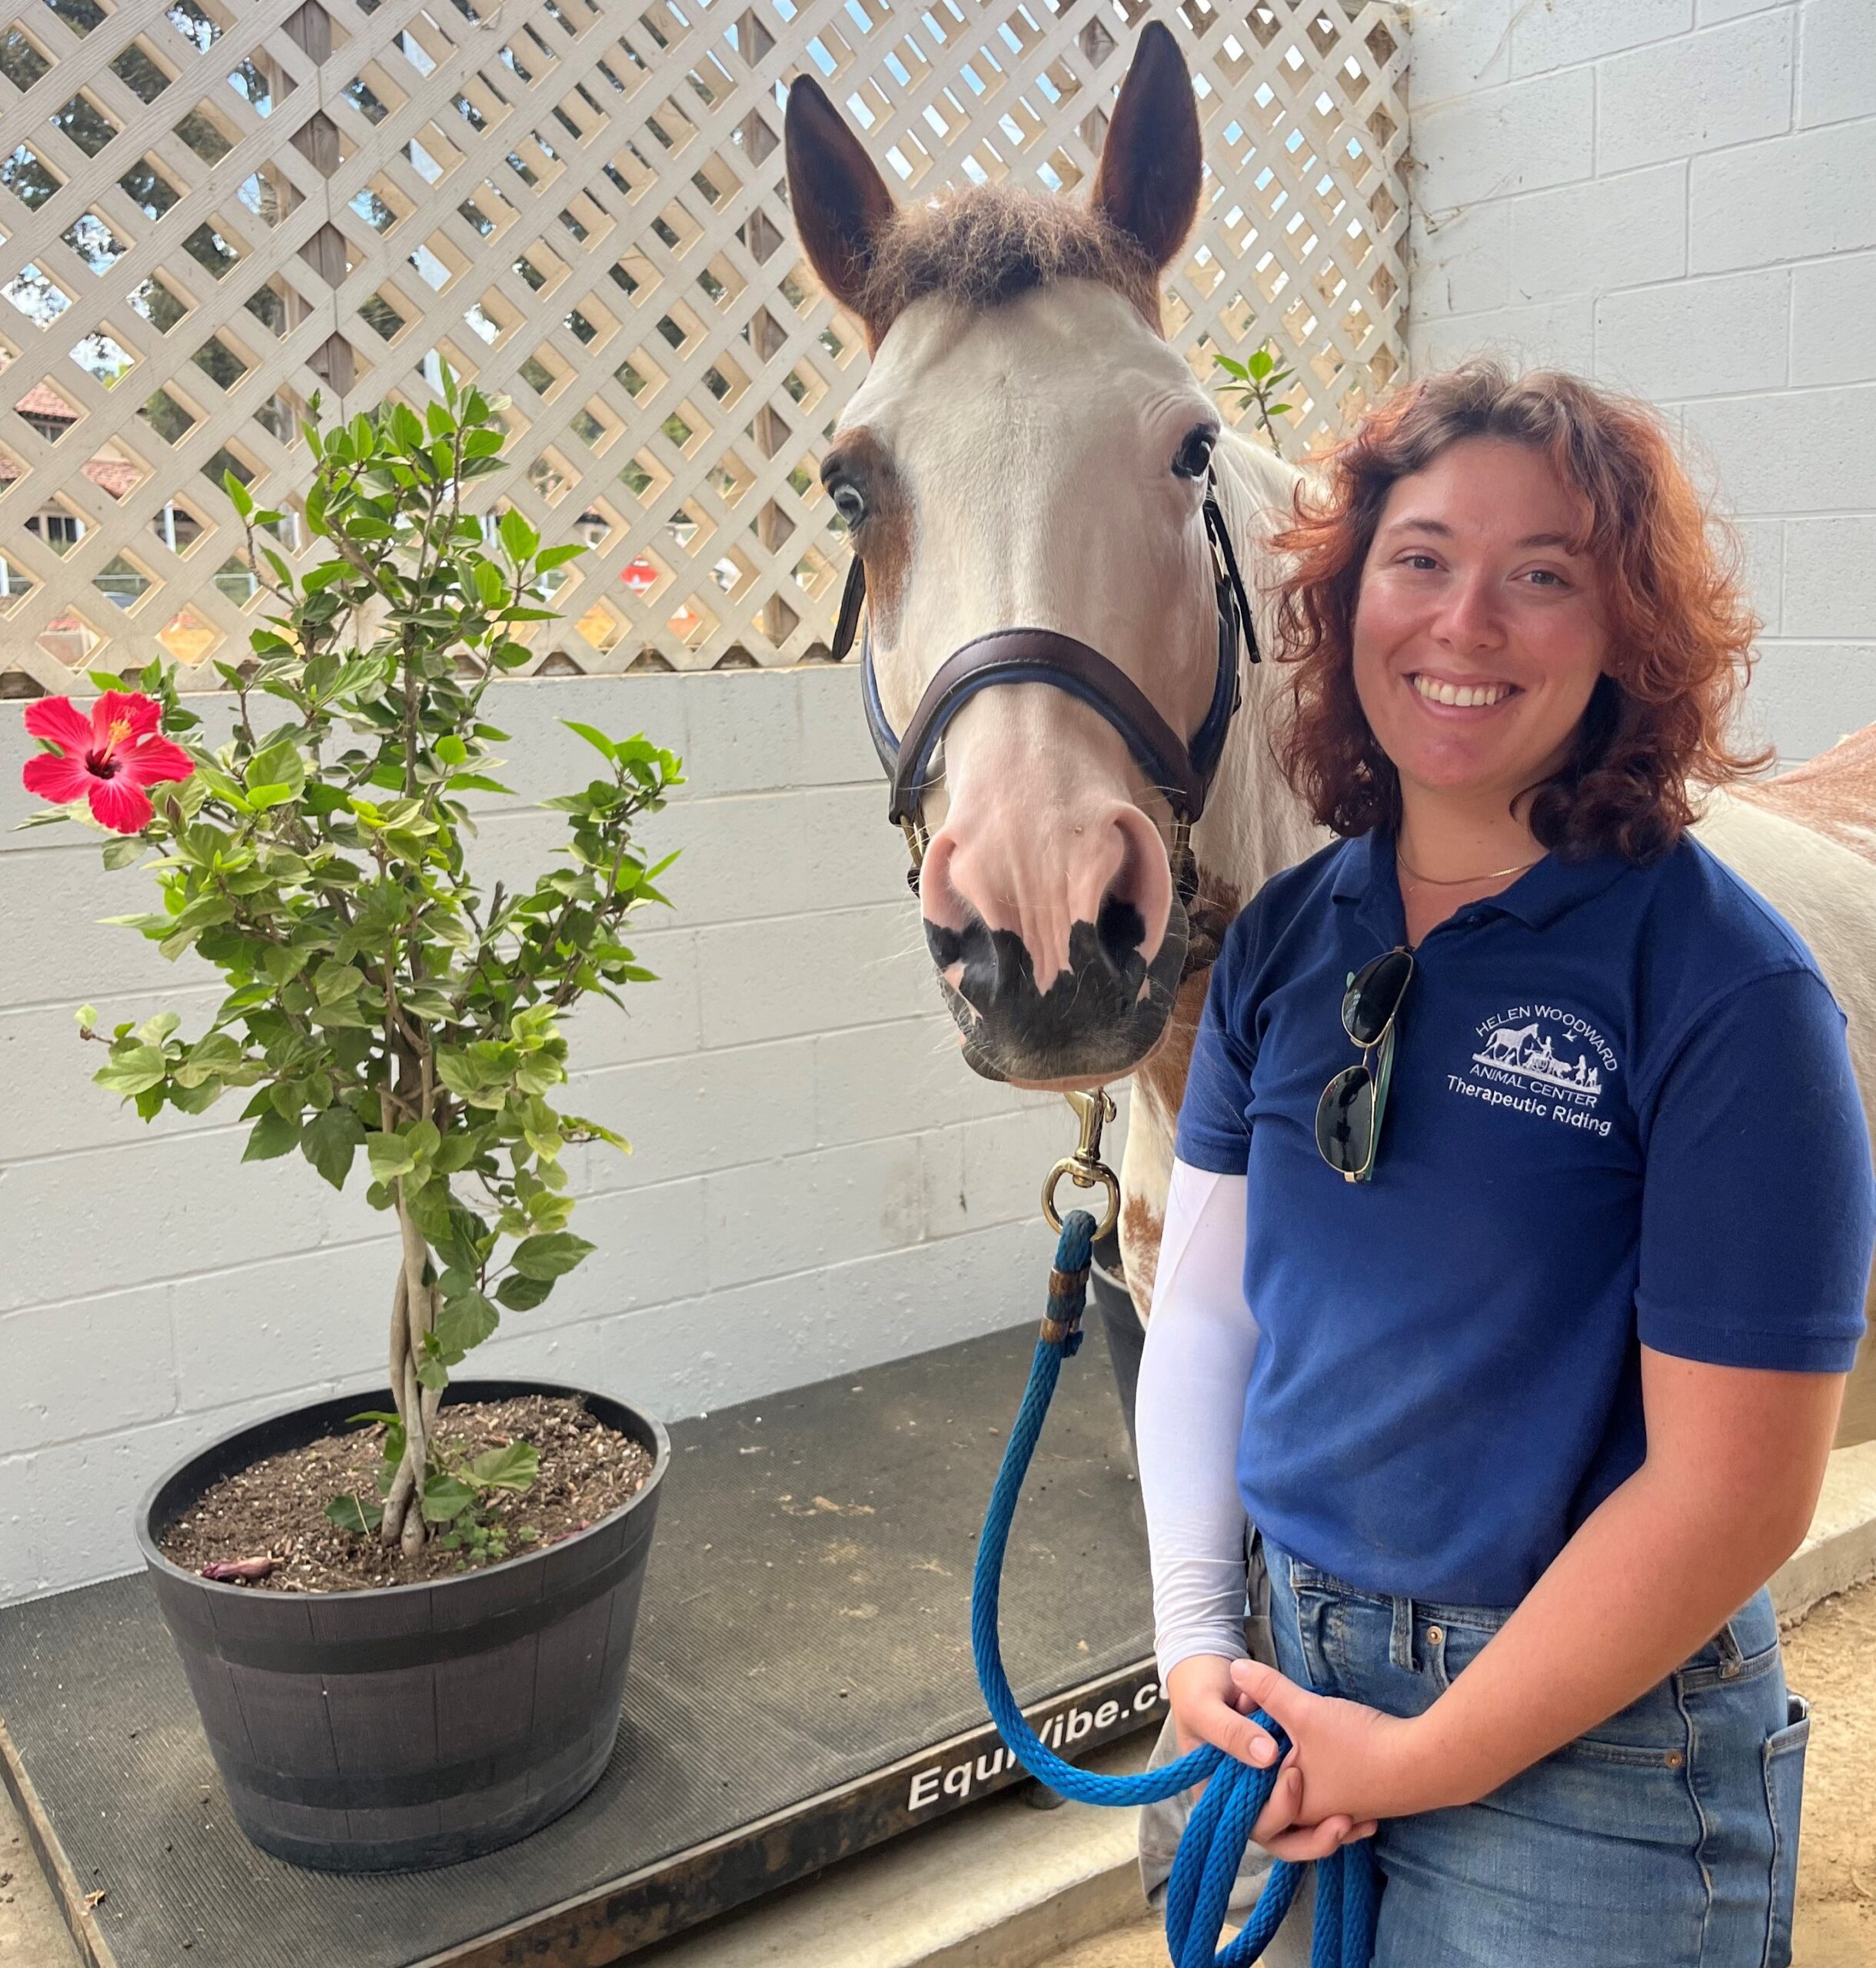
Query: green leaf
(334, 982)
(429, 1206)
(389, 1157)
(212, 1058)
(1261, 365)
(514, 1467)
(523, 1294)
(433, 1374)
(558, 556)
(550, 1256)
(350, 1514)
(121, 853)
(466, 1079)
(405, 427)
(132, 1069)
(451, 749)
(517, 536)
(239, 496)
(445, 1498)
(283, 965)
(330, 1141)
(279, 765)
(463, 1323)
(595, 737)
(273, 1135)
(206, 911)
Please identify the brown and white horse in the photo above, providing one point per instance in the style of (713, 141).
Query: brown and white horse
(1027, 451)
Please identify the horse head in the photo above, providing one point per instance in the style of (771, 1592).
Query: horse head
(1027, 452)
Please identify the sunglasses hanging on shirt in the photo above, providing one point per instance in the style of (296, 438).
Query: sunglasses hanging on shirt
(1348, 1117)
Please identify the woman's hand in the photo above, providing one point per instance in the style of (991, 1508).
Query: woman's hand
(1208, 1707)
(1355, 1765)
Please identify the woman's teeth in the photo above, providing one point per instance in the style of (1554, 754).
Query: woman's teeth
(1465, 696)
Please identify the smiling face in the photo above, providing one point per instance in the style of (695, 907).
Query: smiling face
(1479, 629)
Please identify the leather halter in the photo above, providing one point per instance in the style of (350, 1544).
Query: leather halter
(1182, 769)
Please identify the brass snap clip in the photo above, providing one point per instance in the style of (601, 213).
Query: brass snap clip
(1084, 1168)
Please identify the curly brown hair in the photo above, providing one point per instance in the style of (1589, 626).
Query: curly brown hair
(1680, 628)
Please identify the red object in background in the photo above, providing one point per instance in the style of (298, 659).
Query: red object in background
(639, 576)
(108, 758)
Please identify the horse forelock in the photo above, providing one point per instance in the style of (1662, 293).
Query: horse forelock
(984, 245)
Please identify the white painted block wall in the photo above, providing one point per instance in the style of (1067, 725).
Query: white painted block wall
(819, 1182)
(1678, 198)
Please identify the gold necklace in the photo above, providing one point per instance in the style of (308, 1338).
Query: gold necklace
(1458, 881)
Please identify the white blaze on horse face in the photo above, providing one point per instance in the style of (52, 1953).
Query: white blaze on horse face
(1034, 442)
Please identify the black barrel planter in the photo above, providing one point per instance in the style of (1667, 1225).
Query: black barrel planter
(411, 1725)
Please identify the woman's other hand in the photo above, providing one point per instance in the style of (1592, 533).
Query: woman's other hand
(1209, 1707)
(1355, 1762)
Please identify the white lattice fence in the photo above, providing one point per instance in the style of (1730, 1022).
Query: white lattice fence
(211, 212)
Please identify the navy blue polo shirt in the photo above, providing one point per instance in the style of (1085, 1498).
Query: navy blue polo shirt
(1622, 1113)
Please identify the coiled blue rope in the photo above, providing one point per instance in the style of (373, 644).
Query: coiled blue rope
(1347, 1891)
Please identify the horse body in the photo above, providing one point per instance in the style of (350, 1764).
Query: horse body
(1022, 455)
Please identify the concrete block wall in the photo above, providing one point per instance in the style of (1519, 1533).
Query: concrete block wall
(817, 1182)
(1678, 198)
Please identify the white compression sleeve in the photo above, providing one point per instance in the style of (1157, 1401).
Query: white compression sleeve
(1188, 1415)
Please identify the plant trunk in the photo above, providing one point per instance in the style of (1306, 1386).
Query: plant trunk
(402, 1487)
(412, 1314)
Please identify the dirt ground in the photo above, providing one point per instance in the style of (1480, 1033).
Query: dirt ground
(1831, 1658)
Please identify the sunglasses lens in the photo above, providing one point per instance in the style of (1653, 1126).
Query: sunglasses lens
(1344, 1121)
(1375, 996)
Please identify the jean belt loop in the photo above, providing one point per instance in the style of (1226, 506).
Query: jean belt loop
(1400, 1638)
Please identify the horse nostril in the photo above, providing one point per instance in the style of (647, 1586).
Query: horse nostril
(1120, 932)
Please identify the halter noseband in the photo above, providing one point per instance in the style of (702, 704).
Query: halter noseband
(1181, 768)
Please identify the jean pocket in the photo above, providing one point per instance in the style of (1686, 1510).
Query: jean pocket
(1783, 1758)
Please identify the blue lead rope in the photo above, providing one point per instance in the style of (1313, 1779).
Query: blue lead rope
(1347, 1891)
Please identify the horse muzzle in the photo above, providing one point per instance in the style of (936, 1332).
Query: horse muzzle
(1098, 1019)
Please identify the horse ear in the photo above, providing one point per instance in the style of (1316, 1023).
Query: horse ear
(1153, 161)
(841, 202)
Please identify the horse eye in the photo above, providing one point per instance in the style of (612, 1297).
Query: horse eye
(850, 504)
(1193, 458)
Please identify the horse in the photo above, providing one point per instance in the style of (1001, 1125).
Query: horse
(1027, 451)
(1508, 1045)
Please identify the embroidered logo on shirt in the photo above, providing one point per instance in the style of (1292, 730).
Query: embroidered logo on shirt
(1540, 1059)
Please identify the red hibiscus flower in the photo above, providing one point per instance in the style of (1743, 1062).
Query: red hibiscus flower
(108, 758)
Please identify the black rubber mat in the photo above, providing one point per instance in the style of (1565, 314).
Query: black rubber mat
(800, 1686)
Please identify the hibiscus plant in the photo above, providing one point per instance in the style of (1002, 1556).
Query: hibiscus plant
(380, 997)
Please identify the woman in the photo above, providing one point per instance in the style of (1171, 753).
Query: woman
(1518, 1234)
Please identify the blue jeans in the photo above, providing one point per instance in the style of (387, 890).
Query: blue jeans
(1666, 1837)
